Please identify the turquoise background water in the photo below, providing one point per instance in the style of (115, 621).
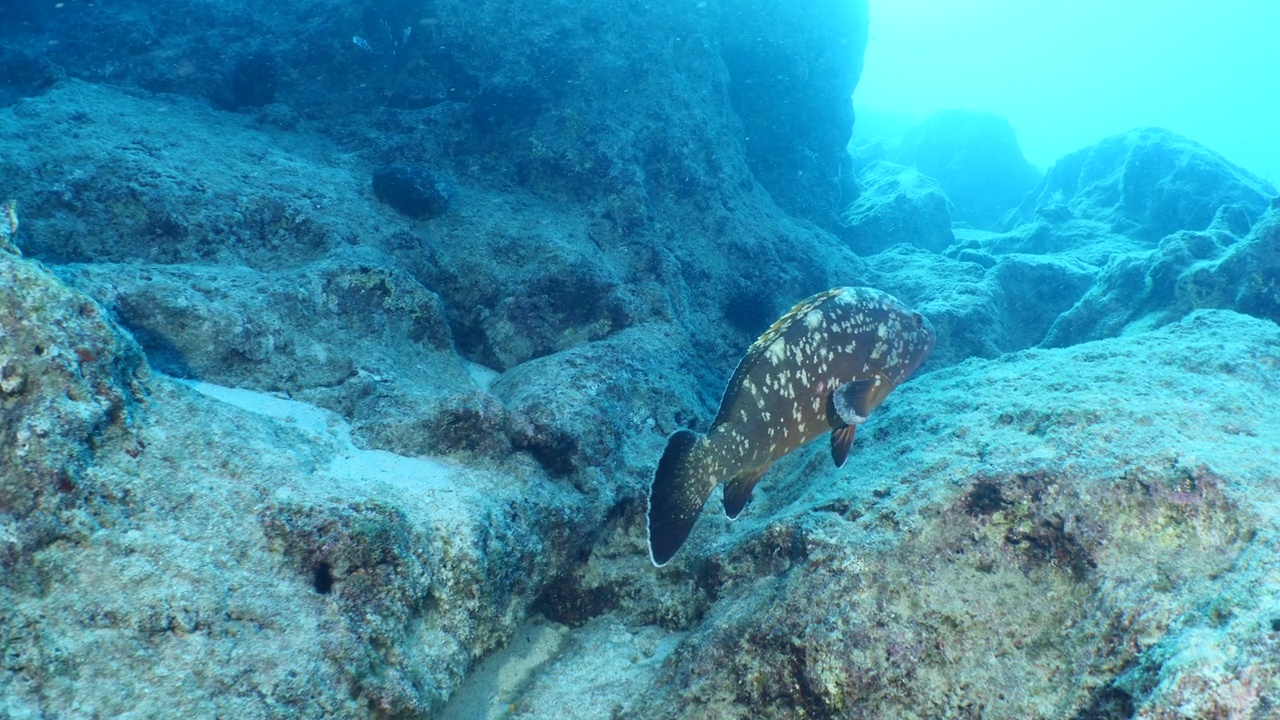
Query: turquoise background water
(1067, 74)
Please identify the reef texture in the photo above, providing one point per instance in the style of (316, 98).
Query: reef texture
(1082, 532)
(333, 375)
(897, 204)
(166, 554)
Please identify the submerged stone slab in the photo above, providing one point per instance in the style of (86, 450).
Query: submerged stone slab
(897, 204)
(1055, 533)
(168, 552)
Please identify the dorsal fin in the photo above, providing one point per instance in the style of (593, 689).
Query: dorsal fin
(780, 325)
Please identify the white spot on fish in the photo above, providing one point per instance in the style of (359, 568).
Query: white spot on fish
(776, 351)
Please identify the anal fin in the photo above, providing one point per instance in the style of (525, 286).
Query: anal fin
(841, 440)
(738, 490)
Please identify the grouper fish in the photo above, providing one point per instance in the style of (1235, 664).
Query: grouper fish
(823, 366)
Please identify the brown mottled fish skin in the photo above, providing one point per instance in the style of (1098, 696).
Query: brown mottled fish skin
(819, 369)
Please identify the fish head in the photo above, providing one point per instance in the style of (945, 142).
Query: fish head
(917, 342)
(904, 339)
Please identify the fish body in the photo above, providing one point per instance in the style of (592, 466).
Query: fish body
(822, 367)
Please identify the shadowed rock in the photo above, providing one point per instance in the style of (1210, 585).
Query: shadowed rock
(975, 157)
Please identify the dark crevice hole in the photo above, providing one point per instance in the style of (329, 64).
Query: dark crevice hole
(322, 579)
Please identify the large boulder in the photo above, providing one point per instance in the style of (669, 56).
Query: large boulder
(1146, 183)
(70, 383)
(1246, 277)
(168, 553)
(897, 204)
(975, 157)
(1085, 532)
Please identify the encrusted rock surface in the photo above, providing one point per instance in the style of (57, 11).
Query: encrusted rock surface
(897, 204)
(195, 558)
(1188, 270)
(270, 448)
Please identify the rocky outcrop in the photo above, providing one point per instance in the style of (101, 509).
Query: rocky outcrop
(1188, 270)
(1245, 277)
(1146, 183)
(791, 74)
(1061, 533)
(235, 552)
(425, 494)
(256, 546)
(897, 204)
(975, 157)
(71, 385)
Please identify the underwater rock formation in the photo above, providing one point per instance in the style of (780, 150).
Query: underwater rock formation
(1146, 183)
(240, 255)
(196, 558)
(411, 189)
(404, 472)
(70, 385)
(1058, 533)
(975, 157)
(897, 204)
(790, 78)
(1188, 270)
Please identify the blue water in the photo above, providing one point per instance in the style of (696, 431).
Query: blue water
(1069, 74)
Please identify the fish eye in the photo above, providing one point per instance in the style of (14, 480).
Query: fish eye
(919, 320)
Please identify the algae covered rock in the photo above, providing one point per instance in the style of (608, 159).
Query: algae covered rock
(1245, 277)
(353, 334)
(1056, 533)
(233, 552)
(1186, 271)
(425, 495)
(70, 382)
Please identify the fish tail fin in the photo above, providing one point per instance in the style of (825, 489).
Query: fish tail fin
(680, 489)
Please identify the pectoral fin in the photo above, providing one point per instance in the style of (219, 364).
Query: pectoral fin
(841, 439)
(853, 401)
